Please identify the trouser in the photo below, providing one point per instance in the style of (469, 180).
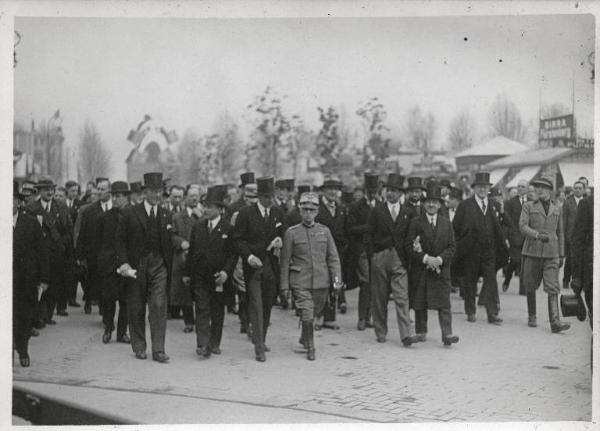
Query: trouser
(210, 313)
(364, 286)
(445, 319)
(260, 288)
(22, 323)
(536, 270)
(55, 291)
(512, 267)
(109, 308)
(310, 302)
(568, 266)
(243, 309)
(186, 310)
(240, 286)
(388, 274)
(150, 288)
(481, 261)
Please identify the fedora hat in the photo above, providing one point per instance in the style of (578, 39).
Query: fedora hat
(216, 195)
(481, 179)
(434, 191)
(153, 180)
(265, 186)
(45, 183)
(415, 183)
(247, 178)
(280, 184)
(543, 182)
(135, 187)
(371, 181)
(100, 179)
(290, 184)
(119, 187)
(332, 184)
(395, 181)
(304, 188)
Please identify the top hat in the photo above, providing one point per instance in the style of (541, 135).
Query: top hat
(304, 188)
(395, 181)
(247, 178)
(572, 305)
(45, 183)
(135, 187)
(543, 182)
(332, 184)
(371, 181)
(119, 187)
(310, 199)
(415, 183)
(455, 193)
(265, 185)
(482, 179)
(445, 183)
(153, 180)
(434, 191)
(216, 195)
(99, 179)
(280, 184)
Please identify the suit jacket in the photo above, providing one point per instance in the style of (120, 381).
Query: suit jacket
(180, 294)
(107, 253)
(569, 212)
(335, 223)
(88, 240)
(383, 232)
(512, 212)
(74, 210)
(358, 214)
(57, 229)
(293, 217)
(432, 289)
(131, 235)
(412, 210)
(533, 220)
(30, 259)
(467, 214)
(210, 252)
(252, 235)
(583, 243)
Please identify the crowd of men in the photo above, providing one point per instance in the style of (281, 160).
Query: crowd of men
(185, 252)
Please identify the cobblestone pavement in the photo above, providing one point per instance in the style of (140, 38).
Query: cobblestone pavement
(506, 373)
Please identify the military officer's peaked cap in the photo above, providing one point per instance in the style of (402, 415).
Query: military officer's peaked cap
(309, 199)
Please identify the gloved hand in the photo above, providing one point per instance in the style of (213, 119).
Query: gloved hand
(544, 237)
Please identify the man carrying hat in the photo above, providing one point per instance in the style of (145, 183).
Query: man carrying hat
(257, 236)
(144, 255)
(543, 251)
(358, 215)
(209, 264)
(387, 227)
(30, 273)
(481, 248)
(112, 286)
(309, 266)
(431, 241)
(58, 231)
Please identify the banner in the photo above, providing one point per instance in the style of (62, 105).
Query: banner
(557, 132)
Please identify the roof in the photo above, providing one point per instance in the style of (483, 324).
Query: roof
(540, 156)
(498, 146)
(526, 173)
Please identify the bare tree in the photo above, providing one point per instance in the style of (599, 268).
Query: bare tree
(229, 146)
(188, 156)
(377, 147)
(420, 129)
(505, 119)
(462, 131)
(94, 159)
(328, 145)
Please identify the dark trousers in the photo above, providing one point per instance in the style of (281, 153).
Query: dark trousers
(261, 291)
(568, 267)
(481, 261)
(186, 310)
(109, 308)
(210, 313)
(445, 319)
(55, 292)
(512, 267)
(364, 288)
(23, 313)
(243, 309)
(150, 288)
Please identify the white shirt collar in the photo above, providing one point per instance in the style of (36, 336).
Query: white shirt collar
(107, 205)
(482, 201)
(432, 218)
(46, 205)
(394, 205)
(577, 199)
(190, 211)
(148, 207)
(213, 223)
(15, 217)
(262, 209)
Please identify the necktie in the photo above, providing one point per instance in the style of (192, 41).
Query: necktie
(432, 223)
(394, 212)
(210, 227)
(152, 213)
(418, 209)
(48, 207)
(266, 216)
(483, 207)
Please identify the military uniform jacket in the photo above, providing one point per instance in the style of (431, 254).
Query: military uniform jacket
(309, 258)
(533, 220)
(383, 232)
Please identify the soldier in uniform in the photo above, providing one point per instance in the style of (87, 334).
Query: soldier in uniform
(257, 235)
(543, 251)
(358, 215)
(293, 216)
(309, 266)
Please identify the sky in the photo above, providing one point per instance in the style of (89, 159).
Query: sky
(185, 72)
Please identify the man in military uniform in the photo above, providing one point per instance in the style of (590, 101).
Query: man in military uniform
(309, 266)
(543, 251)
(293, 216)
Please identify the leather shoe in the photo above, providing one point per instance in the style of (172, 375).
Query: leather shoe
(140, 355)
(39, 324)
(407, 341)
(73, 303)
(450, 339)
(62, 313)
(420, 338)
(216, 350)
(161, 357)
(343, 308)
(362, 325)
(260, 357)
(495, 320)
(24, 361)
(471, 318)
(50, 322)
(124, 339)
(381, 339)
(188, 329)
(34, 332)
(87, 308)
(504, 287)
(203, 351)
(106, 336)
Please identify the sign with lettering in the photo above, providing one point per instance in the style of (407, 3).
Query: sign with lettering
(558, 132)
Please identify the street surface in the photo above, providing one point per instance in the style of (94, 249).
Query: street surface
(506, 373)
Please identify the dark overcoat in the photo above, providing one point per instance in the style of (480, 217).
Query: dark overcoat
(583, 243)
(179, 293)
(512, 214)
(111, 284)
(356, 228)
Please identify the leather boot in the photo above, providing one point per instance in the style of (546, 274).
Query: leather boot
(555, 324)
(302, 339)
(531, 309)
(310, 340)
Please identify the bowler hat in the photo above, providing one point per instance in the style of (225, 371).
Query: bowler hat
(265, 185)
(28, 188)
(331, 184)
(310, 199)
(247, 178)
(572, 305)
(304, 188)
(153, 180)
(135, 187)
(415, 183)
(395, 181)
(100, 179)
(481, 179)
(543, 182)
(216, 195)
(45, 183)
(371, 181)
(119, 187)
(455, 193)
(434, 191)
